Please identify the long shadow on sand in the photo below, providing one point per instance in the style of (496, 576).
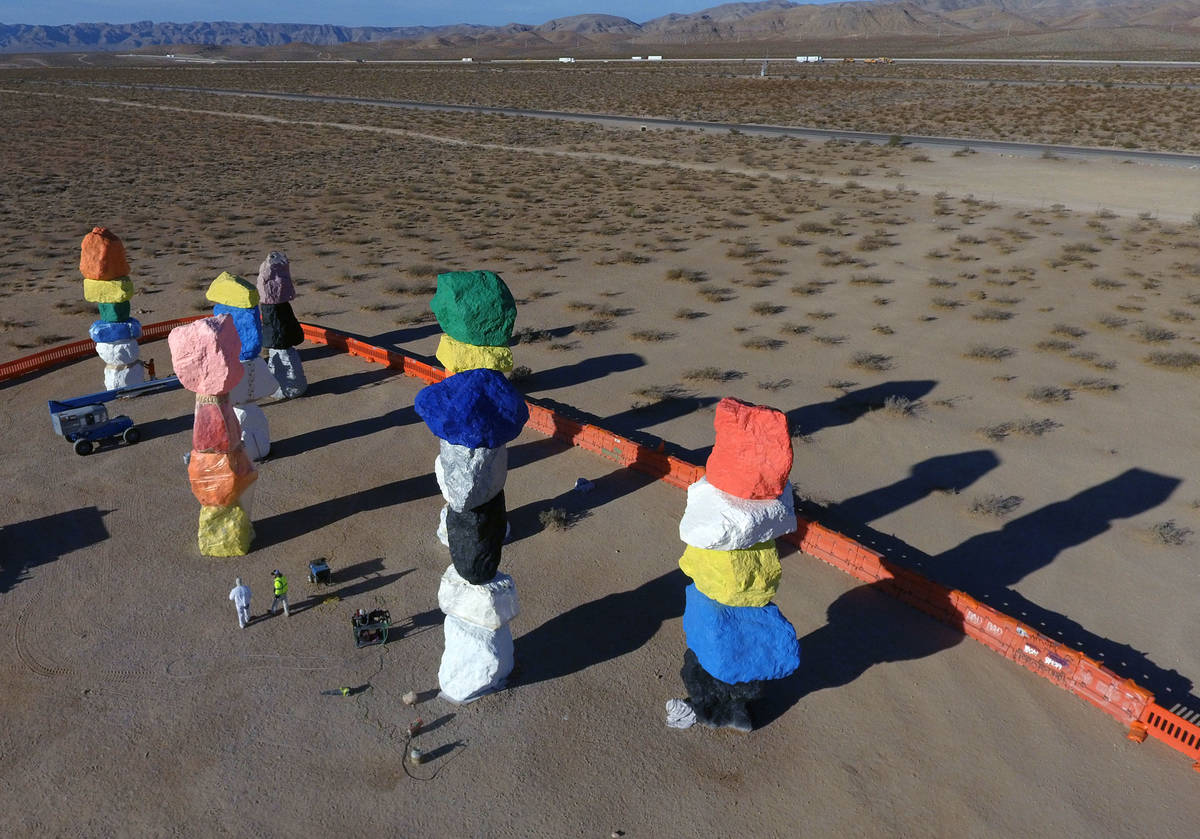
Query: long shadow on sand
(853, 404)
(283, 527)
(866, 627)
(577, 503)
(27, 544)
(587, 370)
(599, 631)
(309, 440)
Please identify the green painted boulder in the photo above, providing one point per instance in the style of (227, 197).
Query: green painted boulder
(475, 307)
(113, 312)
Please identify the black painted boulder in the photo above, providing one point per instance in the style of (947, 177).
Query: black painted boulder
(476, 537)
(718, 704)
(280, 329)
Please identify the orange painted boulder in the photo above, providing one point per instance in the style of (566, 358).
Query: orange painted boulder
(752, 452)
(102, 256)
(219, 478)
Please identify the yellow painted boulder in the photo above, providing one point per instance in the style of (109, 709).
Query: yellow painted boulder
(108, 291)
(225, 531)
(231, 290)
(747, 577)
(456, 356)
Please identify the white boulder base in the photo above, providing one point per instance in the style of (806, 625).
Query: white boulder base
(256, 435)
(476, 661)
(490, 605)
(118, 352)
(470, 477)
(717, 521)
(286, 368)
(257, 383)
(121, 375)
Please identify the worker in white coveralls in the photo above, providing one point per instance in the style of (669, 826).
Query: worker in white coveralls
(240, 595)
(280, 582)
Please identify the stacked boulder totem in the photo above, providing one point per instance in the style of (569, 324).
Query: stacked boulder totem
(238, 299)
(475, 412)
(737, 638)
(281, 332)
(106, 283)
(204, 354)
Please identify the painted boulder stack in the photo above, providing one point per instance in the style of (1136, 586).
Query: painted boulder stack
(106, 283)
(238, 300)
(475, 412)
(737, 639)
(281, 332)
(204, 354)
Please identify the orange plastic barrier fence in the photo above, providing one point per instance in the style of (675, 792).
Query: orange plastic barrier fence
(1065, 667)
(1171, 728)
(80, 349)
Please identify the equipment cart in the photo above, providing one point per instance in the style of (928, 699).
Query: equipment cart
(371, 628)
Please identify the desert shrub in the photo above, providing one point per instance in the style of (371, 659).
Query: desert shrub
(876, 362)
(1183, 360)
(1049, 393)
(1169, 533)
(985, 352)
(995, 505)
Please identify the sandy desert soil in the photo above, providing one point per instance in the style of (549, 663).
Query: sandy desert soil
(989, 366)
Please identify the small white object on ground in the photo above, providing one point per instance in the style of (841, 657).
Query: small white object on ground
(680, 714)
(409, 698)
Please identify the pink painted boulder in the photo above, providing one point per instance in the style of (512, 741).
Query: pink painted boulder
(275, 279)
(216, 427)
(752, 453)
(204, 354)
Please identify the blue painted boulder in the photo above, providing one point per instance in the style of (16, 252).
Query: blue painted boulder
(249, 328)
(739, 643)
(475, 408)
(105, 332)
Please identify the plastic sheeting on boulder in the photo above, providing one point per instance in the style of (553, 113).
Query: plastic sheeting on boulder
(476, 660)
(490, 605)
(475, 408)
(456, 356)
(102, 255)
(256, 434)
(475, 307)
(231, 290)
(476, 536)
(215, 427)
(204, 355)
(108, 291)
(249, 328)
(745, 577)
(280, 329)
(123, 375)
(114, 312)
(470, 477)
(286, 368)
(257, 383)
(752, 452)
(218, 479)
(718, 521)
(118, 352)
(718, 704)
(739, 643)
(102, 331)
(225, 531)
(275, 280)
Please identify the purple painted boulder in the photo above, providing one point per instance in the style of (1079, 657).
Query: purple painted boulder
(275, 279)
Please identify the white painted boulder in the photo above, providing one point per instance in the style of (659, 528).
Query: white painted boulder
(490, 605)
(717, 521)
(470, 477)
(476, 660)
(256, 436)
(118, 352)
(288, 372)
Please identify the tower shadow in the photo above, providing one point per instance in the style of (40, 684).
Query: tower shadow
(864, 627)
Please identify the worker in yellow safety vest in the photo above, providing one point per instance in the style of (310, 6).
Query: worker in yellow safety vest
(280, 592)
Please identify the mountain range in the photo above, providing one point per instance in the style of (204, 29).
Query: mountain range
(926, 25)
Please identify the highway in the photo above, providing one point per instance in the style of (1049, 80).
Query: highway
(1191, 161)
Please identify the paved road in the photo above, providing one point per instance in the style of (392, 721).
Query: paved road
(1002, 146)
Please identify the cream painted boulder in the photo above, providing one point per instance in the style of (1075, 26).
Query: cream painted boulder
(490, 605)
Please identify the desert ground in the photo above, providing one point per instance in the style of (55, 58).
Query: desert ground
(989, 365)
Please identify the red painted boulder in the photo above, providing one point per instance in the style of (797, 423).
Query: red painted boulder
(204, 355)
(216, 427)
(752, 452)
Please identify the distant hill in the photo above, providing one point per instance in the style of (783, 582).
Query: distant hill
(925, 25)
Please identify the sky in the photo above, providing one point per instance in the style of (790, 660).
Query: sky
(344, 12)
